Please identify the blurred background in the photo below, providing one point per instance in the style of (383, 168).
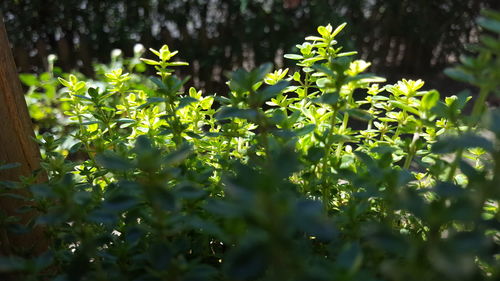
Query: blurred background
(403, 38)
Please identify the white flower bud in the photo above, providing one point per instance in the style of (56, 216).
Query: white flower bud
(51, 58)
(139, 49)
(116, 53)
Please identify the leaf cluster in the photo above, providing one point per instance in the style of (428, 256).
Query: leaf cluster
(326, 173)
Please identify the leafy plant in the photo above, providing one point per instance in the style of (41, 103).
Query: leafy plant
(323, 173)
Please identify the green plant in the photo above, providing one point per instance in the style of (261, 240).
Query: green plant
(321, 174)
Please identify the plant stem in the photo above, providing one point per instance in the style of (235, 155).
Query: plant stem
(412, 152)
(341, 143)
(478, 107)
(454, 164)
(325, 187)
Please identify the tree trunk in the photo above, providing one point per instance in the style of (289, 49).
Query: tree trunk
(16, 146)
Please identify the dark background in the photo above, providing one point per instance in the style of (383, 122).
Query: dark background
(403, 38)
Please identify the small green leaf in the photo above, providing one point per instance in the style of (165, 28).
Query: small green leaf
(429, 100)
(313, 38)
(293, 56)
(338, 29)
(323, 31)
(28, 79)
(150, 62)
(404, 106)
(177, 63)
(305, 130)
(90, 122)
(63, 82)
(346, 54)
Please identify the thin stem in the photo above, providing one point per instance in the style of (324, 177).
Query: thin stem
(412, 152)
(345, 120)
(478, 107)
(454, 164)
(328, 144)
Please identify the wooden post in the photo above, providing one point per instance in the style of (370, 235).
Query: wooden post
(16, 146)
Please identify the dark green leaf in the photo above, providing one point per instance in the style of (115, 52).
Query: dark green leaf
(42, 191)
(90, 122)
(328, 98)
(185, 101)
(323, 69)
(233, 112)
(304, 130)
(150, 101)
(110, 160)
(119, 203)
(350, 257)
(83, 97)
(247, 262)
(447, 189)
(11, 264)
(190, 192)
(102, 216)
(158, 82)
(453, 143)
(125, 120)
(164, 199)
(178, 155)
(272, 91)
(460, 75)
(489, 24)
(359, 114)
(44, 260)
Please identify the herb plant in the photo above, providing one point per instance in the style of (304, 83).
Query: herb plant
(323, 173)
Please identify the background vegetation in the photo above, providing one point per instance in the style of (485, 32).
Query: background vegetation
(399, 37)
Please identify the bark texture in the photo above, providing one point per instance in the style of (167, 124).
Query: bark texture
(16, 146)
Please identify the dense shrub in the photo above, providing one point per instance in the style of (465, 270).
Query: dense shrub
(326, 173)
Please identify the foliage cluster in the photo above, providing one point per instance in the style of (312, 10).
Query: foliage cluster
(326, 173)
